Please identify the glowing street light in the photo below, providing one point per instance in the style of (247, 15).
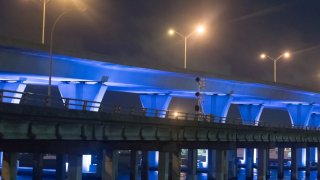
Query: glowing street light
(198, 30)
(285, 55)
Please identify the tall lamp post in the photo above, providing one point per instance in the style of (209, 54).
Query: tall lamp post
(199, 30)
(284, 55)
(44, 4)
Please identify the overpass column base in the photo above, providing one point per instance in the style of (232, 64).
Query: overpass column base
(308, 162)
(144, 165)
(9, 166)
(175, 165)
(294, 166)
(318, 163)
(163, 169)
(37, 166)
(192, 164)
(60, 167)
(134, 168)
(221, 164)
(280, 162)
(211, 164)
(249, 163)
(75, 167)
(110, 165)
(232, 163)
(262, 163)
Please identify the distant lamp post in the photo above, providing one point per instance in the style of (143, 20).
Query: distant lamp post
(198, 30)
(285, 55)
(44, 4)
(51, 46)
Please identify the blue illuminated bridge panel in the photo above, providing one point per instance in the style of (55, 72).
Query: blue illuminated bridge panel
(32, 67)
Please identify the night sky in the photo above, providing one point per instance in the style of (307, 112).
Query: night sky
(135, 32)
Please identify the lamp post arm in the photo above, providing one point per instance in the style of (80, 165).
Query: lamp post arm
(189, 35)
(179, 34)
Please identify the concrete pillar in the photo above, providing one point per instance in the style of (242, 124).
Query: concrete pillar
(268, 163)
(163, 169)
(221, 164)
(17, 86)
(60, 167)
(192, 164)
(250, 114)
(211, 164)
(300, 115)
(144, 165)
(83, 91)
(249, 163)
(75, 167)
(216, 105)
(232, 163)
(110, 165)
(262, 163)
(9, 166)
(175, 166)
(134, 168)
(307, 162)
(153, 103)
(294, 165)
(37, 166)
(318, 164)
(280, 162)
(314, 122)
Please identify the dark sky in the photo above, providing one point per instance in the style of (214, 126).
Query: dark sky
(135, 31)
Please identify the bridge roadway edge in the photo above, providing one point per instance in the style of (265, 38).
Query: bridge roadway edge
(25, 128)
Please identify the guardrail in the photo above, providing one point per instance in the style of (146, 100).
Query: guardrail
(28, 98)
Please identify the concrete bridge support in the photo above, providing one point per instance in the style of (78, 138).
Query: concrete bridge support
(37, 166)
(9, 166)
(318, 164)
(152, 102)
(61, 167)
(263, 154)
(110, 161)
(250, 115)
(218, 164)
(294, 165)
(75, 166)
(134, 168)
(300, 115)
(192, 164)
(280, 162)
(83, 91)
(314, 122)
(218, 106)
(169, 165)
(18, 86)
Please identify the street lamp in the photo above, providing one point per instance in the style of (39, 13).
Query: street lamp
(198, 30)
(284, 55)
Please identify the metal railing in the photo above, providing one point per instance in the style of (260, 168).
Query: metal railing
(28, 98)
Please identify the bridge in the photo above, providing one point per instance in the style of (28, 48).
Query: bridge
(82, 83)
